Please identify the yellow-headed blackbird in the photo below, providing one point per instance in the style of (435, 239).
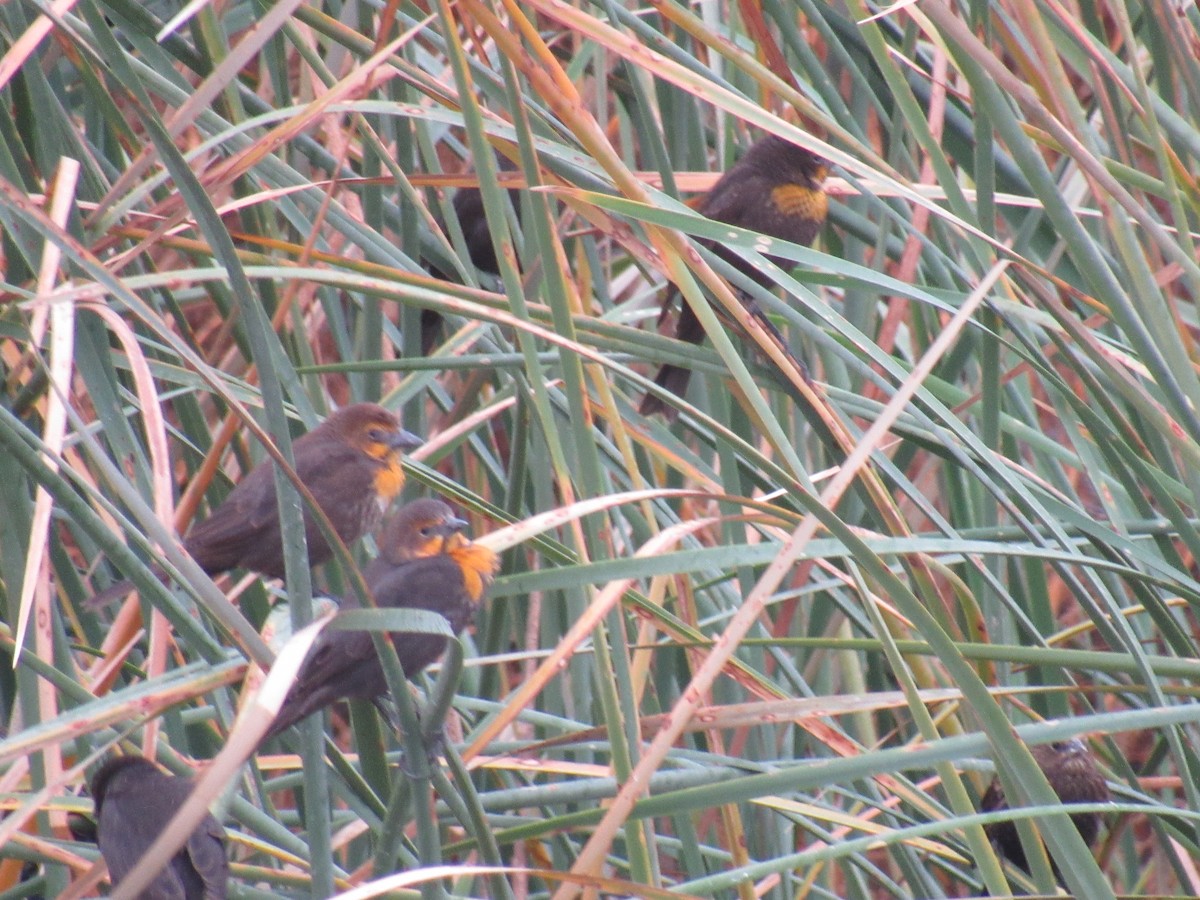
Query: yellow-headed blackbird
(351, 465)
(1072, 772)
(425, 563)
(775, 189)
(134, 802)
(468, 209)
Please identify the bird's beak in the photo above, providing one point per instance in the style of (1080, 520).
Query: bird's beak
(452, 526)
(404, 440)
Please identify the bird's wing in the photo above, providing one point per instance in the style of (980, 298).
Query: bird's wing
(126, 832)
(728, 200)
(342, 664)
(206, 850)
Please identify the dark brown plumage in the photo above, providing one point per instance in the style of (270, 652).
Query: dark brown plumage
(468, 209)
(134, 802)
(351, 465)
(1072, 772)
(425, 563)
(775, 189)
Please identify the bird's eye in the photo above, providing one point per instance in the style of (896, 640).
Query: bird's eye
(376, 435)
(426, 531)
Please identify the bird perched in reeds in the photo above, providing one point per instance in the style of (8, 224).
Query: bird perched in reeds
(776, 189)
(472, 218)
(135, 800)
(1072, 772)
(350, 463)
(426, 563)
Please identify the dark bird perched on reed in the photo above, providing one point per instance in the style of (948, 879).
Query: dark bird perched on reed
(351, 465)
(426, 563)
(776, 189)
(135, 801)
(472, 218)
(1072, 772)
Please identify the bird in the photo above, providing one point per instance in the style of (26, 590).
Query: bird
(351, 465)
(134, 802)
(1072, 772)
(411, 534)
(425, 562)
(469, 210)
(776, 188)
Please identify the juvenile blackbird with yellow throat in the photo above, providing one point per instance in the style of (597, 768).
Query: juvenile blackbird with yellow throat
(135, 801)
(776, 189)
(1072, 772)
(351, 465)
(425, 562)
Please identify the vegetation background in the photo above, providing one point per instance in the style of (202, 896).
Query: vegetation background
(983, 515)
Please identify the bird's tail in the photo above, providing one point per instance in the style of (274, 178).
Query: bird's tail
(675, 378)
